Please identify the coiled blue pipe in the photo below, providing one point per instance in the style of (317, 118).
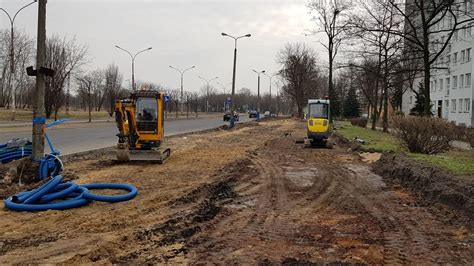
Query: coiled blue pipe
(55, 195)
(9, 154)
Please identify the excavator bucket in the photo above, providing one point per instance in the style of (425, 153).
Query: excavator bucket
(155, 155)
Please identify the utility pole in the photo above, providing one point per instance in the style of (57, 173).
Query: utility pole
(235, 64)
(258, 92)
(12, 57)
(182, 93)
(38, 108)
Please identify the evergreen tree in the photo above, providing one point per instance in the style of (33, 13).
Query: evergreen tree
(418, 109)
(351, 104)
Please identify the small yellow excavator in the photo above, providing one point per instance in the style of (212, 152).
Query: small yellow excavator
(318, 117)
(140, 121)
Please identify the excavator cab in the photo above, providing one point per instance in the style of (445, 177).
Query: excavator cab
(140, 121)
(318, 121)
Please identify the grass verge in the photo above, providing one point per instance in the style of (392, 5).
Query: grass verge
(457, 162)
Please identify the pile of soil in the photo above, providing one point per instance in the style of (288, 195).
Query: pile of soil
(434, 185)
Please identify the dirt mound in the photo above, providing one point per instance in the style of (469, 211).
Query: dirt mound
(432, 184)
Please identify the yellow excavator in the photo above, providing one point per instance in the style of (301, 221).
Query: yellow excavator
(140, 121)
(318, 117)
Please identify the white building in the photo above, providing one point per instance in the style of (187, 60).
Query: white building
(452, 93)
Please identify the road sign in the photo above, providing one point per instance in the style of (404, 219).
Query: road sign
(167, 99)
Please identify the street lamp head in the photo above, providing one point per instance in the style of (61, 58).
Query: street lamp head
(149, 48)
(248, 35)
(224, 34)
(263, 71)
(117, 46)
(193, 66)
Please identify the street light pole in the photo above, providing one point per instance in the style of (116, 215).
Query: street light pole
(182, 73)
(235, 63)
(258, 95)
(270, 77)
(207, 98)
(133, 62)
(12, 56)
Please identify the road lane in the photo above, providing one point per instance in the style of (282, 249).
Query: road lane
(72, 140)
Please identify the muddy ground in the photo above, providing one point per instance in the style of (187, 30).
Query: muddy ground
(245, 196)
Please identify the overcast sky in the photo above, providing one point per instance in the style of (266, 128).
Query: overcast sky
(182, 33)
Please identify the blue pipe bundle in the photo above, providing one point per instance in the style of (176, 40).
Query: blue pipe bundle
(10, 153)
(56, 195)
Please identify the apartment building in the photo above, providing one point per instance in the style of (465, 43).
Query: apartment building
(452, 93)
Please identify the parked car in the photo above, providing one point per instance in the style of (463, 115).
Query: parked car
(253, 114)
(228, 114)
(266, 114)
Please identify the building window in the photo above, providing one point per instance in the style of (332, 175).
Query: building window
(468, 80)
(461, 81)
(467, 105)
(448, 59)
(455, 35)
(448, 83)
(455, 82)
(455, 59)
(411, 99)
(463, 56)
(468, 54)
(453, 106)
(440, 84)
(460, 105)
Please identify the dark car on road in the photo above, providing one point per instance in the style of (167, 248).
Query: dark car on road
(228, 114)
(253, 114)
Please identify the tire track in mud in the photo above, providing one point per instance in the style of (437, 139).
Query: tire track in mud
(349, 200)
(406, 231)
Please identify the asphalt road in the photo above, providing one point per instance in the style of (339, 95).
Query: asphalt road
(79, 139)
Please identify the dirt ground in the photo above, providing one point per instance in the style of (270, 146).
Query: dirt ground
(246, 196)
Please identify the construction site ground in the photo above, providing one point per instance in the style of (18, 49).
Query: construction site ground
(244, 196)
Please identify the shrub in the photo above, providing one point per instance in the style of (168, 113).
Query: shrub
(465, 134)
(424, 134)
(360, 122)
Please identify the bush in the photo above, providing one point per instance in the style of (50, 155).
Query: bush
(360, 122)
(424, 134)
(465, 134)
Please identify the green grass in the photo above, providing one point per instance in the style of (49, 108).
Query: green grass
(376, 139)
(457, 162)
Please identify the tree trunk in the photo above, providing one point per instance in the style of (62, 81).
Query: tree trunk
(90, 107)
(385, 94)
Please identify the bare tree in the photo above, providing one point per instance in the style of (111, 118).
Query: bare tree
(331, 20)
(89, 83)
(300, 72)
(430, 25)
(374, 28)
(65, 57)
(23, 54)
(113, 86)
(175, 95)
